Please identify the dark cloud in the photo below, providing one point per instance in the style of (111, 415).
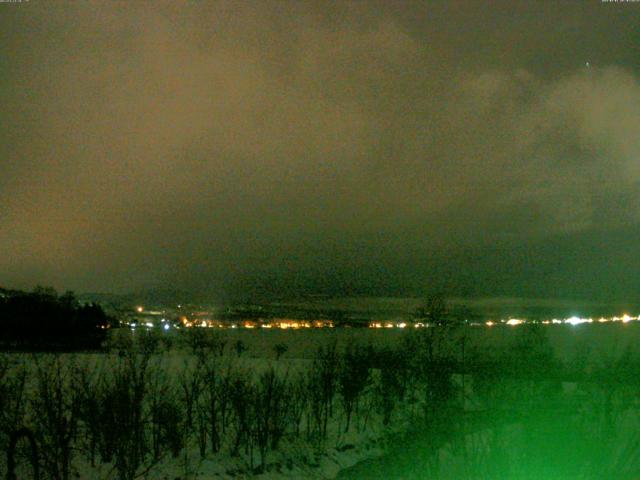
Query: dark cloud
(351, 147)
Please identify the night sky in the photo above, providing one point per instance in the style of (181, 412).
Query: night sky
(344, 148)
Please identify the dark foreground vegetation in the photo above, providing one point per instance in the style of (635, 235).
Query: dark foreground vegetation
(43, 320)
(449, 410)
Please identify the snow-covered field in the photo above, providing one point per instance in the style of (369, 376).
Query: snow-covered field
(314, 403)
(218, 407)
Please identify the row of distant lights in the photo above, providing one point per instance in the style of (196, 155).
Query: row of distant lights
(518, 321)
(252, 325)
(247, 324)
(294, 326)
(511, 322)
(567, 321)
(490, 323)
(165, 325)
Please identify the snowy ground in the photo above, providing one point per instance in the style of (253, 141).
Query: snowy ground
(298, 458)
(295, 457)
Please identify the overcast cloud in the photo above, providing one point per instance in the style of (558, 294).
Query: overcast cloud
(369, 147)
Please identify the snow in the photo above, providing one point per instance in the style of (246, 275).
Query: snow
(300, 458)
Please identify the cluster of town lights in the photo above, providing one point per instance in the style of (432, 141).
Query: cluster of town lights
(156, 318)
(517, 321)
(567, 321)
(284, 324)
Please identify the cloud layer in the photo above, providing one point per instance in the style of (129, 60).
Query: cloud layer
(220, 145)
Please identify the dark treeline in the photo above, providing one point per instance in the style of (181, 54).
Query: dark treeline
(44, 320)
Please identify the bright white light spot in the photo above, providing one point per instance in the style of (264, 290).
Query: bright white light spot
(489, 323)
(139, 309)
(514, 321)
(166, 326)
(577, 320)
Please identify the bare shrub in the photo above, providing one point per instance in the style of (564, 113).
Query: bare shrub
(58, 410)
(241, 399)
(148, 341)
(204, 341)
(280, 349)
(240, 347)
(165, 415)
(393, 381)
(209, 405)
(321, 388)
(12, 453)
(13, 403)
(122, 399)
(298, 402)
(119, 341)
(270, 412)
(190, 383)
(353, 377)
(87, 384)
